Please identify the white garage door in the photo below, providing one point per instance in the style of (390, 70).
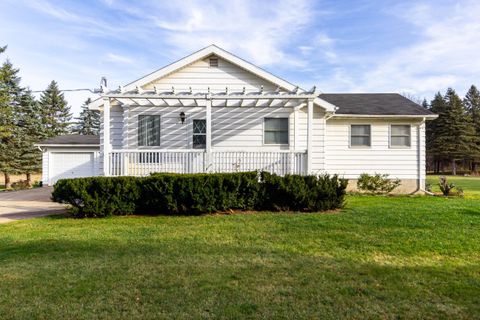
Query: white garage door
(71, 165)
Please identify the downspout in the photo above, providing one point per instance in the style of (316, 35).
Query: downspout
(419, 160)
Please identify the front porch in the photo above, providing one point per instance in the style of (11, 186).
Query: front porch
(293, 155)
(145, 162)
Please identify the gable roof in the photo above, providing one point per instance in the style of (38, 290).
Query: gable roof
(72, 139)
(221, 53)
(376, 104)
(204, 53)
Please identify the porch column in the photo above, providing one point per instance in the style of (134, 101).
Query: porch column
(208, 138)
(309, 135)
(106, 136)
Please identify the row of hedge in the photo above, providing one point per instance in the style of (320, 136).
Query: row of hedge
(193, 194)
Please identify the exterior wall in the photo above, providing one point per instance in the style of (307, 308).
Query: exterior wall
(403, 163)
(200, 77)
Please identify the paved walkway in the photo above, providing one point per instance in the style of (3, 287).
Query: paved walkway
(26, 204)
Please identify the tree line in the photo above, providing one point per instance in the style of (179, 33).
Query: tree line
(26, 120)
(453, 139)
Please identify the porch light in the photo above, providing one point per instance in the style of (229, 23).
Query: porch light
(182, 117)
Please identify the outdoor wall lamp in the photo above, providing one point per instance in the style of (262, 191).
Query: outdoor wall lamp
(182, 117)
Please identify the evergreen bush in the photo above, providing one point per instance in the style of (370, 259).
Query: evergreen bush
(194, 194)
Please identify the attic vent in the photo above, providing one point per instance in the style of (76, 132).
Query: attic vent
(214, 62)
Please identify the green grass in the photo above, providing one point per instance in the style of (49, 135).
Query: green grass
(381, 257)
(470, 185)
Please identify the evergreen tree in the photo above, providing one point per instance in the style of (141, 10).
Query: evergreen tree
(55, 111)
(472, 104)
(437, 105)
(30, 130)
(454, 133)
(10, 96)
(88, 121)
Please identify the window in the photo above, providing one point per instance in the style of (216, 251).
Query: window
(199, 134)
(148, 131)
(213, 62)
(400, 135)
(360, 135)
(276, 130)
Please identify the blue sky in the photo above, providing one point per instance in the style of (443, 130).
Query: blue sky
(414, 47)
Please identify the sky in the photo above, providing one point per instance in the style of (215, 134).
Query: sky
(413, 47)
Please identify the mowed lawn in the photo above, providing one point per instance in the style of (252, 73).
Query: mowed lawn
(470, 184)
(380, 257)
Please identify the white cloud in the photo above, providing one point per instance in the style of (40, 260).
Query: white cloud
(112, 57)
(447, 53)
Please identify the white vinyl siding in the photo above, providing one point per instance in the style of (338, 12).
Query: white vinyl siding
(200, 77)
(379, 158)
(400, 136)
(275, 130)
(360, 135)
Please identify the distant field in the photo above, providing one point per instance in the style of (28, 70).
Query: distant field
(470, 185)
(35, 177)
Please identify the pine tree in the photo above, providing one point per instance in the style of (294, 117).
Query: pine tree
(30, 130)
(88, 121)
(437, 106)
(454, 136)
(10, 96)
(472, 104)
(55, 111)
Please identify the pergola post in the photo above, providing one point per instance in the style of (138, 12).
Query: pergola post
(208, 138)
(106, 136)
(309, 135)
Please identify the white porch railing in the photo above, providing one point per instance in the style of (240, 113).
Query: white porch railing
(142, 163)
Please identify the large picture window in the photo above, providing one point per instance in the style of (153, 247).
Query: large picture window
(148, 131)
(400, 135)
(360, 135)
(199, 133)
(276, 130)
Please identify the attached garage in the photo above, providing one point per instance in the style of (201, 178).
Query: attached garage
(69, 156)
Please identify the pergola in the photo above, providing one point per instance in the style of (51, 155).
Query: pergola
(261, 99)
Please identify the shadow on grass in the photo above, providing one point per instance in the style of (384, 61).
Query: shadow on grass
(178, 276)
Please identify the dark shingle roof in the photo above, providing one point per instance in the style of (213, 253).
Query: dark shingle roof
(374, 104)
(72, 139)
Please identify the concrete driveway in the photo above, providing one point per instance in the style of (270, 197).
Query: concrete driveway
(26, 204)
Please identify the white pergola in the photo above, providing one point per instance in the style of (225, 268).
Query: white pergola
(277, 99)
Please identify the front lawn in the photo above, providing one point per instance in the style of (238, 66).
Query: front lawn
(381, 257)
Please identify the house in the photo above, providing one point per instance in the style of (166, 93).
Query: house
(214, 112)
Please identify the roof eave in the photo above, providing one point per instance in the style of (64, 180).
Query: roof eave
(388, 116)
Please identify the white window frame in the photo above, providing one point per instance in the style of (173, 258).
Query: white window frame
(390, 136)
(350, 136)
(198, 134)
(288, 131)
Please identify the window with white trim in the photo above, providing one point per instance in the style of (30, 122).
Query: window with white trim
(148, 131)
(275, 130)
(199, 133)
(400, 135)
(360, 135)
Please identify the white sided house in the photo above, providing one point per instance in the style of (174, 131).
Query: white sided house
(214, 112)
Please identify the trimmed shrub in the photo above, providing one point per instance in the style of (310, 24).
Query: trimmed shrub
(98, 196)
(193, 194)
(378, 183)
(199, 193)
(302, 193)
